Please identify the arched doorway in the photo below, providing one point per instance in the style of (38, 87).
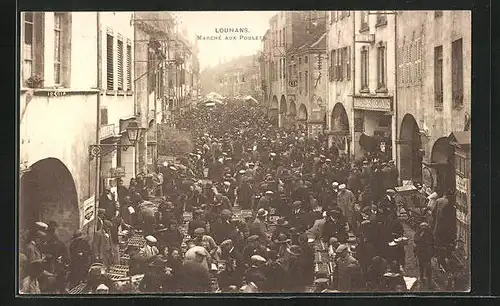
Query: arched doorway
(273, 111)
(410, 150)
(283, 111)
(302, 117)
(48, 193)
(340, 128)
(292, 113)
(442, 160)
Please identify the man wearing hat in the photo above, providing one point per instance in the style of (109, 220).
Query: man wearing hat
(197, 222)
(282, 227)
(102, 245)
(334, 226)
(150, 249)
(265, 201)
(291, 270)
(34, 241)
(225, 228)
(345, 201)
(234, 265)
(195, 271)
(393, 174)
(259, 226)
(389, 201)
(201, 238)
(80, 255)
(348, 274)
(424, 251)
(254, 247)
(228, 190)
(280, 245)
(53, 248)
(256, 273)
(245, 192)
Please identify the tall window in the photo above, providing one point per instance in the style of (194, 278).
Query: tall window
(364, 69)
(438, 76)
(340, 61)
(57, 47)
(280, 66)
(364, 21)
(300, 82)
(120, 64)
(300, 61)
(129, 67)
(283, 39)
(306, 81)
(381, 67)
(280, 42)
(28, 45)
(305, 60)
(348, 63)
(109, 62)
(457, 81)
(381, 18)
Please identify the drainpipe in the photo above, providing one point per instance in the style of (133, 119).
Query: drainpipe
(98, 120)
(353, 80)
(395, 100)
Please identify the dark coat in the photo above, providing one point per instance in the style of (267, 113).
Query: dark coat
(195, 278)
(222, 231)
(424, 245)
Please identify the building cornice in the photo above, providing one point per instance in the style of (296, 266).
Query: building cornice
(59, 91)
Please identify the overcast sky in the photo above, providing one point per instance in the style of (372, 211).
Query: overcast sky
(205, 23)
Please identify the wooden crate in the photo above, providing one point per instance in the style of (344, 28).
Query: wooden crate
(119, 269)
(78, 289)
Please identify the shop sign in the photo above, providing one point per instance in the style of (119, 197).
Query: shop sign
(87, 211)
(462, 184)
(117, 172)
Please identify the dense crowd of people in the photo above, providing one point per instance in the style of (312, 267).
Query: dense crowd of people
(299, 192)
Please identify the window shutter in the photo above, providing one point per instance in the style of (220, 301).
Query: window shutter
(120, 64)
(348, 61)
(109, 62)
(129, 67)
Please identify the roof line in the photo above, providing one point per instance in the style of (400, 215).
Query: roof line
(317, 42)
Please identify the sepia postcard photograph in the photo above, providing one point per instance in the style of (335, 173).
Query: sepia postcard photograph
(179, 152)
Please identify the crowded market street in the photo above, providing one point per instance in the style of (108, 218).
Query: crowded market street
(170, 152)
(253, 208)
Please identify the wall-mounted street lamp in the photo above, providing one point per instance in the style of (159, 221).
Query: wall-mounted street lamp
(133, 133)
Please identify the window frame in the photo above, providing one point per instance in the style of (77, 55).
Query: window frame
(457, 74)
(364, 70)
(364, 24)
(306, 82)
(31, 59)
(438, 76)
(120, 80)
(129, 66)
(58, 37)
(381, 67)
(110, 82)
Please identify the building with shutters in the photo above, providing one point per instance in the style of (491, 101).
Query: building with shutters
(434, 103)
(340, 112)
(59, 95)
